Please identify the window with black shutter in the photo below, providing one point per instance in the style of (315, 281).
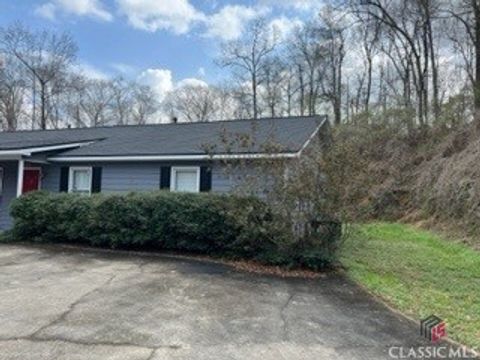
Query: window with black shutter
(165, 172)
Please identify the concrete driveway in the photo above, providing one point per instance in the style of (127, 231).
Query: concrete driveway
(58, 303)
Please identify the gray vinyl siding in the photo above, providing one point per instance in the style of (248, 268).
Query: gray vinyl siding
(10, 169)
(228, 179)
(221, 179)
(138, 176)
(129, 177)
(116, 177)
(122, 178)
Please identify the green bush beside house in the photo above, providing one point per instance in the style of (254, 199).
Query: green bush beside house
(218, 225)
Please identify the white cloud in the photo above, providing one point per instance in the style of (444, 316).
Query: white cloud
(230, 21)
(152, 15)
(283, 26)
(201, 71)
(90, 71)
(89, 8)
(301, 5)
(192, 82)
(46, 11)
(160, 80)
(123, 69)
(180, 16)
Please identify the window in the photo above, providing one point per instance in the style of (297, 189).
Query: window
(185, 179)
(80, 180)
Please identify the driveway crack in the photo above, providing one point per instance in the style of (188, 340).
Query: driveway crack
(71, 307)
(92, 343)
(76, 342)
(143, 264)
(284, 319)
(152, 354)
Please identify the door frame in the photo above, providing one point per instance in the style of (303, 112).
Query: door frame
(39, 175)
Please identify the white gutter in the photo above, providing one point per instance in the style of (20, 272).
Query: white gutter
(170, 157)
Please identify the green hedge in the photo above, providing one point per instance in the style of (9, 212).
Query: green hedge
(219, 225)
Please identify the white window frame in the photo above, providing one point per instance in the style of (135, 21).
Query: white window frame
(173, 176)
(70, 177)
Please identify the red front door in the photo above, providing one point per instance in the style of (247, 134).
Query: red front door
(31, 180)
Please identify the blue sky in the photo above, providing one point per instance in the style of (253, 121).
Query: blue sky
(160, 42)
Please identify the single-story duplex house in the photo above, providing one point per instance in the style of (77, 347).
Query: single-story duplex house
(175, 156)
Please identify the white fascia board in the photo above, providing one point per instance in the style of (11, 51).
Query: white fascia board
(309, 140)
(170, 157)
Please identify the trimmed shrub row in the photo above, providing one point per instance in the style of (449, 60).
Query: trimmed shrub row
(218, 225)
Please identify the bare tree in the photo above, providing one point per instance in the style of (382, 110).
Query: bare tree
(12, 93)
(308, 56)
(97, 103)
(122, 100)
(47, 56)
(74, 99)
(410, 28)
(193, 103)
(289, 89)
(333, 42)
(274, 76)
(248, 57)
(467, 14)
(145, 104)
(367, 33)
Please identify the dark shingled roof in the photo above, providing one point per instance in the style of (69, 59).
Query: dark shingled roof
(289, 134)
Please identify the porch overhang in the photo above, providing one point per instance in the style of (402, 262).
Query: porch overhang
(23, 155)
(17, 154)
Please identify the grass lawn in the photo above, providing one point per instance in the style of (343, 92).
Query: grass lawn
(419, 273)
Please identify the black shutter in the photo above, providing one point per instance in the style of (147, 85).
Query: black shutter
(96, 179)
(205, 178)
(165, 177)
(64, 170)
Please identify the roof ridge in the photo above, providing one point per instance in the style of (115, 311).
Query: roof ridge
(165, 124)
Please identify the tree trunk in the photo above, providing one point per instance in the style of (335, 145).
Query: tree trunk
(34, 102)
(369, 84)
(254, 93)
(436, 97)
(476, 85)
(302, 90)
(424, 77)
(338, 94)
(289, 100)
(311, 96)
(10, 115)
(43, 104)
(337, 111)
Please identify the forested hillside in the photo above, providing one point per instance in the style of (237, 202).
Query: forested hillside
(429, 177)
